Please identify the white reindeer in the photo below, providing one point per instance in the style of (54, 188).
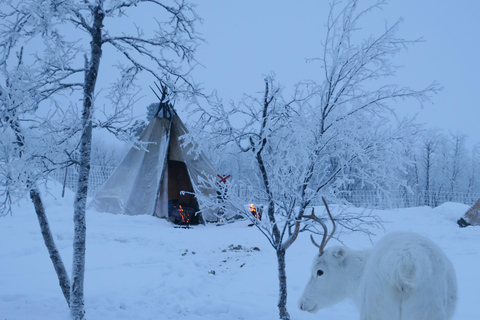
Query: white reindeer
(405, 276)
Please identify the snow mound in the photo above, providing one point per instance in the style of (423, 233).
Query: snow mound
(451, 211)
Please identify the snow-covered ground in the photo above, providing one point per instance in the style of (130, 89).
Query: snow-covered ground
(141, 267)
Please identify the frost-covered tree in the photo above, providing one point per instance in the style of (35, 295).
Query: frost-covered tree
(474, 167)
(105, 154)
(443, 162)
(457, 163)
(443, 168)
(429, 163)
(51, 55)
(331, 133)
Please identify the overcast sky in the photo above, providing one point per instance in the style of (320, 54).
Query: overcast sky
(248, 38)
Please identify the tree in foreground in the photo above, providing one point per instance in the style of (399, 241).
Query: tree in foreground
(329, 135)
(50, 56)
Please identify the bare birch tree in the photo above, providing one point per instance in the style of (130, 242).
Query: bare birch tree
(472, 182)
(331, 133)
(430, 164)
(50, 55)
(458, 161)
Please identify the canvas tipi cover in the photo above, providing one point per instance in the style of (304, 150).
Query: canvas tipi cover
(471, 217)
(141, 183)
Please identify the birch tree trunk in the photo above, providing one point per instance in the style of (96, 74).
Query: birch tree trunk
(282, 281)
(57, 261)
(277, 236)
(79, 241)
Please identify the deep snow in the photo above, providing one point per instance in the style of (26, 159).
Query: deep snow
(141, 267)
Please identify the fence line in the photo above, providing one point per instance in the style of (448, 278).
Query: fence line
(404, 199)
(358, 198)
(98, 176)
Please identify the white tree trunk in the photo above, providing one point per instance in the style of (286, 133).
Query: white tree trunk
(57, 261)
(79, 241)
(282, 281)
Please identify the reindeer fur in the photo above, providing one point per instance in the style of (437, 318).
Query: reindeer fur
(405, 276)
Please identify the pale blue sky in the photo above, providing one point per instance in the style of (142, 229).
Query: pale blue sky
(248, 38)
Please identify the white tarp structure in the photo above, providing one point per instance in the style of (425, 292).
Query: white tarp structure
(165, 174)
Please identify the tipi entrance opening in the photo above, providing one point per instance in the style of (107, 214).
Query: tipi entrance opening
(182, 204)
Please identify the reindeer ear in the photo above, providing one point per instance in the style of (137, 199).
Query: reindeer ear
(339, 254)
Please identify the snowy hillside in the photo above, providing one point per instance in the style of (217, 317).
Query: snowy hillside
(141, 267)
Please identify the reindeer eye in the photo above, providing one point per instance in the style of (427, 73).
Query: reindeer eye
(319, 273)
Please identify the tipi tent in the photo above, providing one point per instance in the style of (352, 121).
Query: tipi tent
(161, 179)
(471, 217)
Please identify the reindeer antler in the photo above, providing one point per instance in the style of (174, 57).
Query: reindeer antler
(325, 239)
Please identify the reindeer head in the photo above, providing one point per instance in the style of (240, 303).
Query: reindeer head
(326, 285)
